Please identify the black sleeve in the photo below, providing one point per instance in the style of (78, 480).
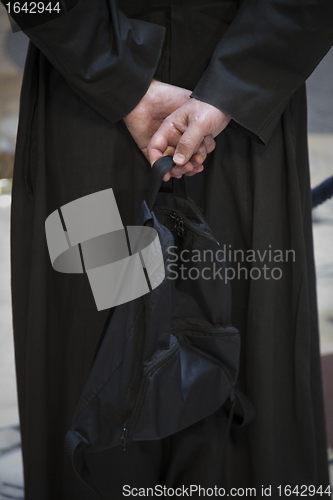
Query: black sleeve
(268, 51)
(108, 59)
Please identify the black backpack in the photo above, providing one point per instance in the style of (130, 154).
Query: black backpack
(164, 352)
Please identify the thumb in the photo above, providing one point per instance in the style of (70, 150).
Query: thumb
(154, 155)
(188, 143)
(157, 146)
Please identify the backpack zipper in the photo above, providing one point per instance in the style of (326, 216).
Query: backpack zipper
(126, 434)
(178, 224)
(179, 221)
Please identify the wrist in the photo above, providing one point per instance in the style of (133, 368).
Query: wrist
(144, 103)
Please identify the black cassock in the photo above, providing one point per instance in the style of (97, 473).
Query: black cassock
(85, 71)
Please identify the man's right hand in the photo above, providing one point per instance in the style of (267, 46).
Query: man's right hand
(160, 101)
(193, 125)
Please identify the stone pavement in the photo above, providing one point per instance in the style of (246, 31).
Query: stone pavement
(320, 91)
(11, 476)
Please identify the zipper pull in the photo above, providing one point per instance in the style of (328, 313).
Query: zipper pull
(124, 438)
(178, 224)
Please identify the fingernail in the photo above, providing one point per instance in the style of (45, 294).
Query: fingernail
(201, 151)
(178, 158)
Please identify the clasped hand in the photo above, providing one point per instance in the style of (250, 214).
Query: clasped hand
(168, 122)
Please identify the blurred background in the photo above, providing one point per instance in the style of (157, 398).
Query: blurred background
(13, 48)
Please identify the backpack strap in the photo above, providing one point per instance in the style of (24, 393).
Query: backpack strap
(158, 171)
(74, 461)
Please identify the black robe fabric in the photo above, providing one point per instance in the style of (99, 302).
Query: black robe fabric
(84, 72)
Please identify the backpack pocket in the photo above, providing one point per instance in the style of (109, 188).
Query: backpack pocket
(185, 382)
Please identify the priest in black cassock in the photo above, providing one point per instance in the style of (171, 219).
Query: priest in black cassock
(98, 82)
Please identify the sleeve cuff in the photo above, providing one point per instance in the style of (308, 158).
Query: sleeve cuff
(237, 100)
(108, 59)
